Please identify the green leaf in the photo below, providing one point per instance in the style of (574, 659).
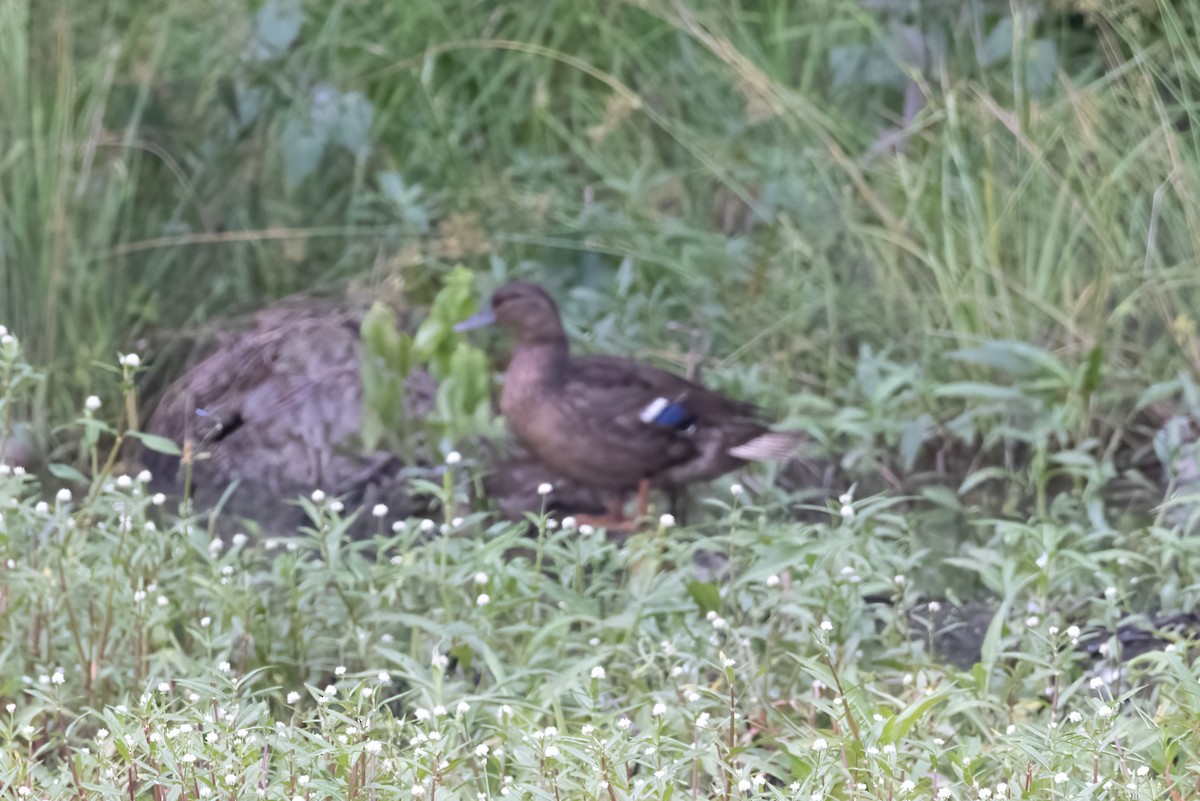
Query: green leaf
(276, 26)
(384, 341)
(979, 476)
(1158, 392)
(1092, 374)
(352, 127)
(998, 44)
(625, 276)
(973, 390)
(1014, 358)
(902, 723)
(436, 339)
(156, 443)
(302, 145)
(943, 497)
(989, 652)
(1073, 459)
(462, 654)
(387, 360)
(912, 437)
(67, 473)
(1042, 68)
(706, 595)
(464, 395)
(845, 64)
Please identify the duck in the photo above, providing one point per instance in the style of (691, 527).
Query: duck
(613, 423)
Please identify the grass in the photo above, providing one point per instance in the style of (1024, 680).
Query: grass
(755, 165)
(958, 248)
(750, 656)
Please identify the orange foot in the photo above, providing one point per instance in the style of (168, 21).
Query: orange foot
(616, 520)
(620, 524)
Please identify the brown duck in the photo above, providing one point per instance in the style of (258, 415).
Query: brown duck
(613, 423)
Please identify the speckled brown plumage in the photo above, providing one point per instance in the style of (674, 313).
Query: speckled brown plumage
(615, 423)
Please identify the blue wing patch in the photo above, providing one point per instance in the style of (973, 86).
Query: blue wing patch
(668, 414)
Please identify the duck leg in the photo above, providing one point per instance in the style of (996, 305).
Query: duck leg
(614, 520)
(643, 499)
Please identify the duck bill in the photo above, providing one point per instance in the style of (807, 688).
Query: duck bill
(480, 320)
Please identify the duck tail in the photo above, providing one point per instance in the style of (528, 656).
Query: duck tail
(771, 446)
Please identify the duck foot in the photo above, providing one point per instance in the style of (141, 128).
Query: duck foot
(621, 524)
(615, 520)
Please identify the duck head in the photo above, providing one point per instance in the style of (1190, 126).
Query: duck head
(523, 308)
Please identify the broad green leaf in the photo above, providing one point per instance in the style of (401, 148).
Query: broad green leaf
(156, 443)
(903, 722)
(998, 45)
(277, 26)
(706, 595)
(302, 145)
(387, 360)
(980, 476)
(943, 497)
(67, 473)
(435, 339)
(912, 437)
(1158, 392)
(352, 128)
(1042, 67)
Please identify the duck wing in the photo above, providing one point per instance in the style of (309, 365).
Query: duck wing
(662, 424)
(642, 398)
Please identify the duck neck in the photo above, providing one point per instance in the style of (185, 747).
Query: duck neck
(541, 359)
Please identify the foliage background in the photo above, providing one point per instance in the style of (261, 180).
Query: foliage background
(955, 241)
(800, 182)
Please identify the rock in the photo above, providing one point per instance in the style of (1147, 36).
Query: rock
(273, 412)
